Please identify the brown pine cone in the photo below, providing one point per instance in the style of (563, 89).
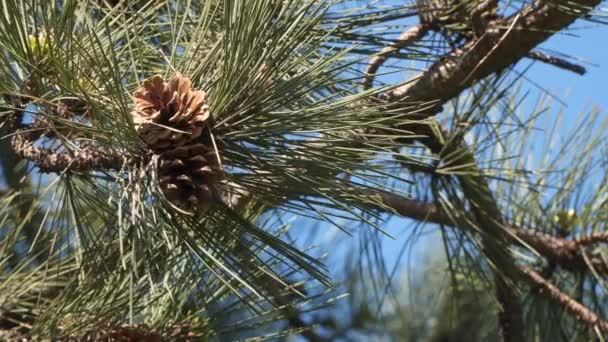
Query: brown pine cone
(169, 114)
(190, 175)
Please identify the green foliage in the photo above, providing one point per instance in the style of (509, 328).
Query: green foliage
(82, 251)
(281, 109)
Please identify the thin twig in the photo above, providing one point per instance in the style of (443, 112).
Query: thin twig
(557, 62)
(412, 34)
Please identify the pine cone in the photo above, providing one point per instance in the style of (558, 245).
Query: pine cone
(189, 176)
(169, 114)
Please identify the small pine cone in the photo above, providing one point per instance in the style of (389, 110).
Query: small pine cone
(169, 114)
(189, 176)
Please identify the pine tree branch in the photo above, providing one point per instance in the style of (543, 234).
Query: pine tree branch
(406, 38)
(530, 27)
(575, 308)
(561, 251)
(487, 215)
(47, 160)
(592, 239)
(87, 158)
(504, 42)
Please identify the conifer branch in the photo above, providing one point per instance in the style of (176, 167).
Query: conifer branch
(84, 159)
(591, 239)
(504, 42)
(561, 251)
(416, 32)
(488, 217)
(573, 307)
(444, 80)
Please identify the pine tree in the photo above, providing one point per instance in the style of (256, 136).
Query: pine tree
(153, 154)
